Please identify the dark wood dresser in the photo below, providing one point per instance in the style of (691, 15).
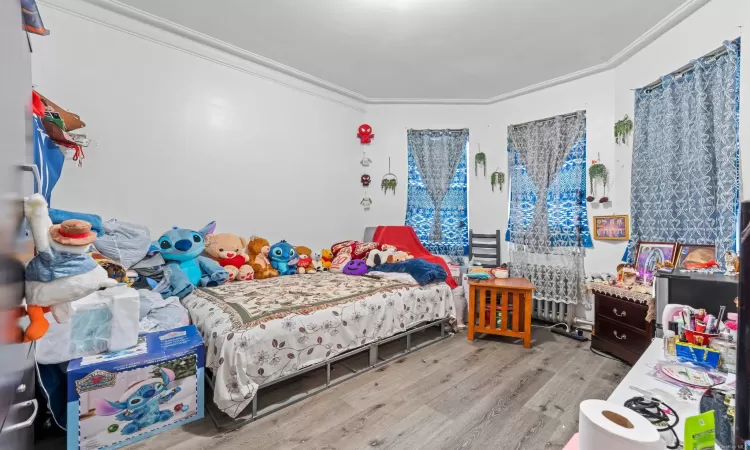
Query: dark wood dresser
(624, 322)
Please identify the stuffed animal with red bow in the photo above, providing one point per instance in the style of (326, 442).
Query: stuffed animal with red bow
(229, 251)
(305, 264)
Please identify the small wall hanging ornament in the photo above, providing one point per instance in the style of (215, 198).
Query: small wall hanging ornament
(365, 179)
(366, 202)
(622, 130)
(497, 178)
(389, 181)
(365, 134)
(365, 160)
(480, 159)
(598, 173)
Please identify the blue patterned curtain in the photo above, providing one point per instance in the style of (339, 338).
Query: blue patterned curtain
(685, 176)
(566, 200)
(547, 224)
(435, 147)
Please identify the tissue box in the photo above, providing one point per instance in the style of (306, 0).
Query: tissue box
(118, 398)
(102, 321)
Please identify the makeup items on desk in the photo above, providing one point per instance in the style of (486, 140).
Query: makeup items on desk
(696, 336)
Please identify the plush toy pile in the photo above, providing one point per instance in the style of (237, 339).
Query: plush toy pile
(175, 264)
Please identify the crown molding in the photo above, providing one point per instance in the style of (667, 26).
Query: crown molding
(126, 19)
(340, 94)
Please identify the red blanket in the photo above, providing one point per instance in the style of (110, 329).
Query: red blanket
(405, 239)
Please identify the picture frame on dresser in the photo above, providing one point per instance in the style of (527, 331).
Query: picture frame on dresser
(694, 255)
(650, 254)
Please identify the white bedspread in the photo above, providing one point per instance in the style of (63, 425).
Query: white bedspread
(246, 350)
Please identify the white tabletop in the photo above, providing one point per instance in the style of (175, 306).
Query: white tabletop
(638, 377)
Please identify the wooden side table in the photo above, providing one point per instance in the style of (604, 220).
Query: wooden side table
(513, 295)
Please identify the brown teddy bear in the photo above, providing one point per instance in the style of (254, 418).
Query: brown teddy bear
(229, 251)
(258, 249)
(305, 264)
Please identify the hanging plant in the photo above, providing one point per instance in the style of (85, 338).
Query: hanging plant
(480, 160)
(497, 179)
(598, 172)
(622, 130)
(389, 184)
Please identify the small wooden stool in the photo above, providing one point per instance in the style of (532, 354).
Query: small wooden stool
(514, 297)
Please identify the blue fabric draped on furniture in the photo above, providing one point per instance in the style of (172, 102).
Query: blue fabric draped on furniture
(685, 175)
(437, 176)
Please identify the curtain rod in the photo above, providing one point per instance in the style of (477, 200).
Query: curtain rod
(564, 116)
(686, 68)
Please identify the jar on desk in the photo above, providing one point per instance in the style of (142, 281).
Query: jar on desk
(728, 350)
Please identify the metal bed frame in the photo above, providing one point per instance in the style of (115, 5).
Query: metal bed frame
(374, 361)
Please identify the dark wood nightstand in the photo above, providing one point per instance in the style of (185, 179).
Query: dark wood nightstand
(624, 323)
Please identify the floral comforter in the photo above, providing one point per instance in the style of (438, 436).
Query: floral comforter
(258, 331)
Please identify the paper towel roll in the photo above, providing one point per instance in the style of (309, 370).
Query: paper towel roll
(605, 425)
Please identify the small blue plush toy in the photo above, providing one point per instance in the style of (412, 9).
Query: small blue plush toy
(283, 258)
(181, 249)
(140, 404)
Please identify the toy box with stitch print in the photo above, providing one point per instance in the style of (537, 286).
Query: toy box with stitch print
(122, 397)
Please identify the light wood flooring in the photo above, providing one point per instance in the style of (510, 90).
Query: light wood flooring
(456, 394)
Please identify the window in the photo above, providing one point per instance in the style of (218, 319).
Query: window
(421, 211)
(566, 200)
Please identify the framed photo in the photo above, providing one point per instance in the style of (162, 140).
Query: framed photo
(613, 228)
(691, 255)
(650, 254)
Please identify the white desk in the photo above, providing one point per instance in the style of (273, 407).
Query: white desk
(638, 377)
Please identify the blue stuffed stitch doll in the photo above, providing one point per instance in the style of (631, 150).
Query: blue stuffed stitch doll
(283, 258)
(140, 404)
(181, 249)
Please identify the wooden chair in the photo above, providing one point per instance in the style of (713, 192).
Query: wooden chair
(489, 245)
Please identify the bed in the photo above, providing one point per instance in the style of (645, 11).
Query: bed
(264, 330)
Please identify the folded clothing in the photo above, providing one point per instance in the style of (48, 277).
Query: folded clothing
(61, 215)
(123, 242)
(423, 271)
(159, 314)
(151, 267)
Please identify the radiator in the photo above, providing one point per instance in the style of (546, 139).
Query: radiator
(556, 312)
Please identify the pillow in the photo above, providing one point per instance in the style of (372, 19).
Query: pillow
(339, 261)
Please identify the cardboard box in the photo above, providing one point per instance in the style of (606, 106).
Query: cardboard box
(118, 398)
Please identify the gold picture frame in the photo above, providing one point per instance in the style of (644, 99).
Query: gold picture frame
(612, 228)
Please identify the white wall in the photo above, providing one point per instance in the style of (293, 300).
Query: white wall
(182, 140)
(173, 125)
(606, 97)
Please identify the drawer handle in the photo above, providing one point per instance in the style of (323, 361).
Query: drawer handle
(614, 310)
(620, 337)
(25, 423)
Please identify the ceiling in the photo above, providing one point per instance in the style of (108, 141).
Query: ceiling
(423, 49)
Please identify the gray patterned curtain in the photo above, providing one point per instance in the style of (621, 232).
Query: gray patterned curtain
(685, 176)
(553, 261)
(437, 154)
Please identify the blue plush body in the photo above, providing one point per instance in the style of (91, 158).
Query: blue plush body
(181, 249)
(423, 271)
(283, 258)
(141, 408)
